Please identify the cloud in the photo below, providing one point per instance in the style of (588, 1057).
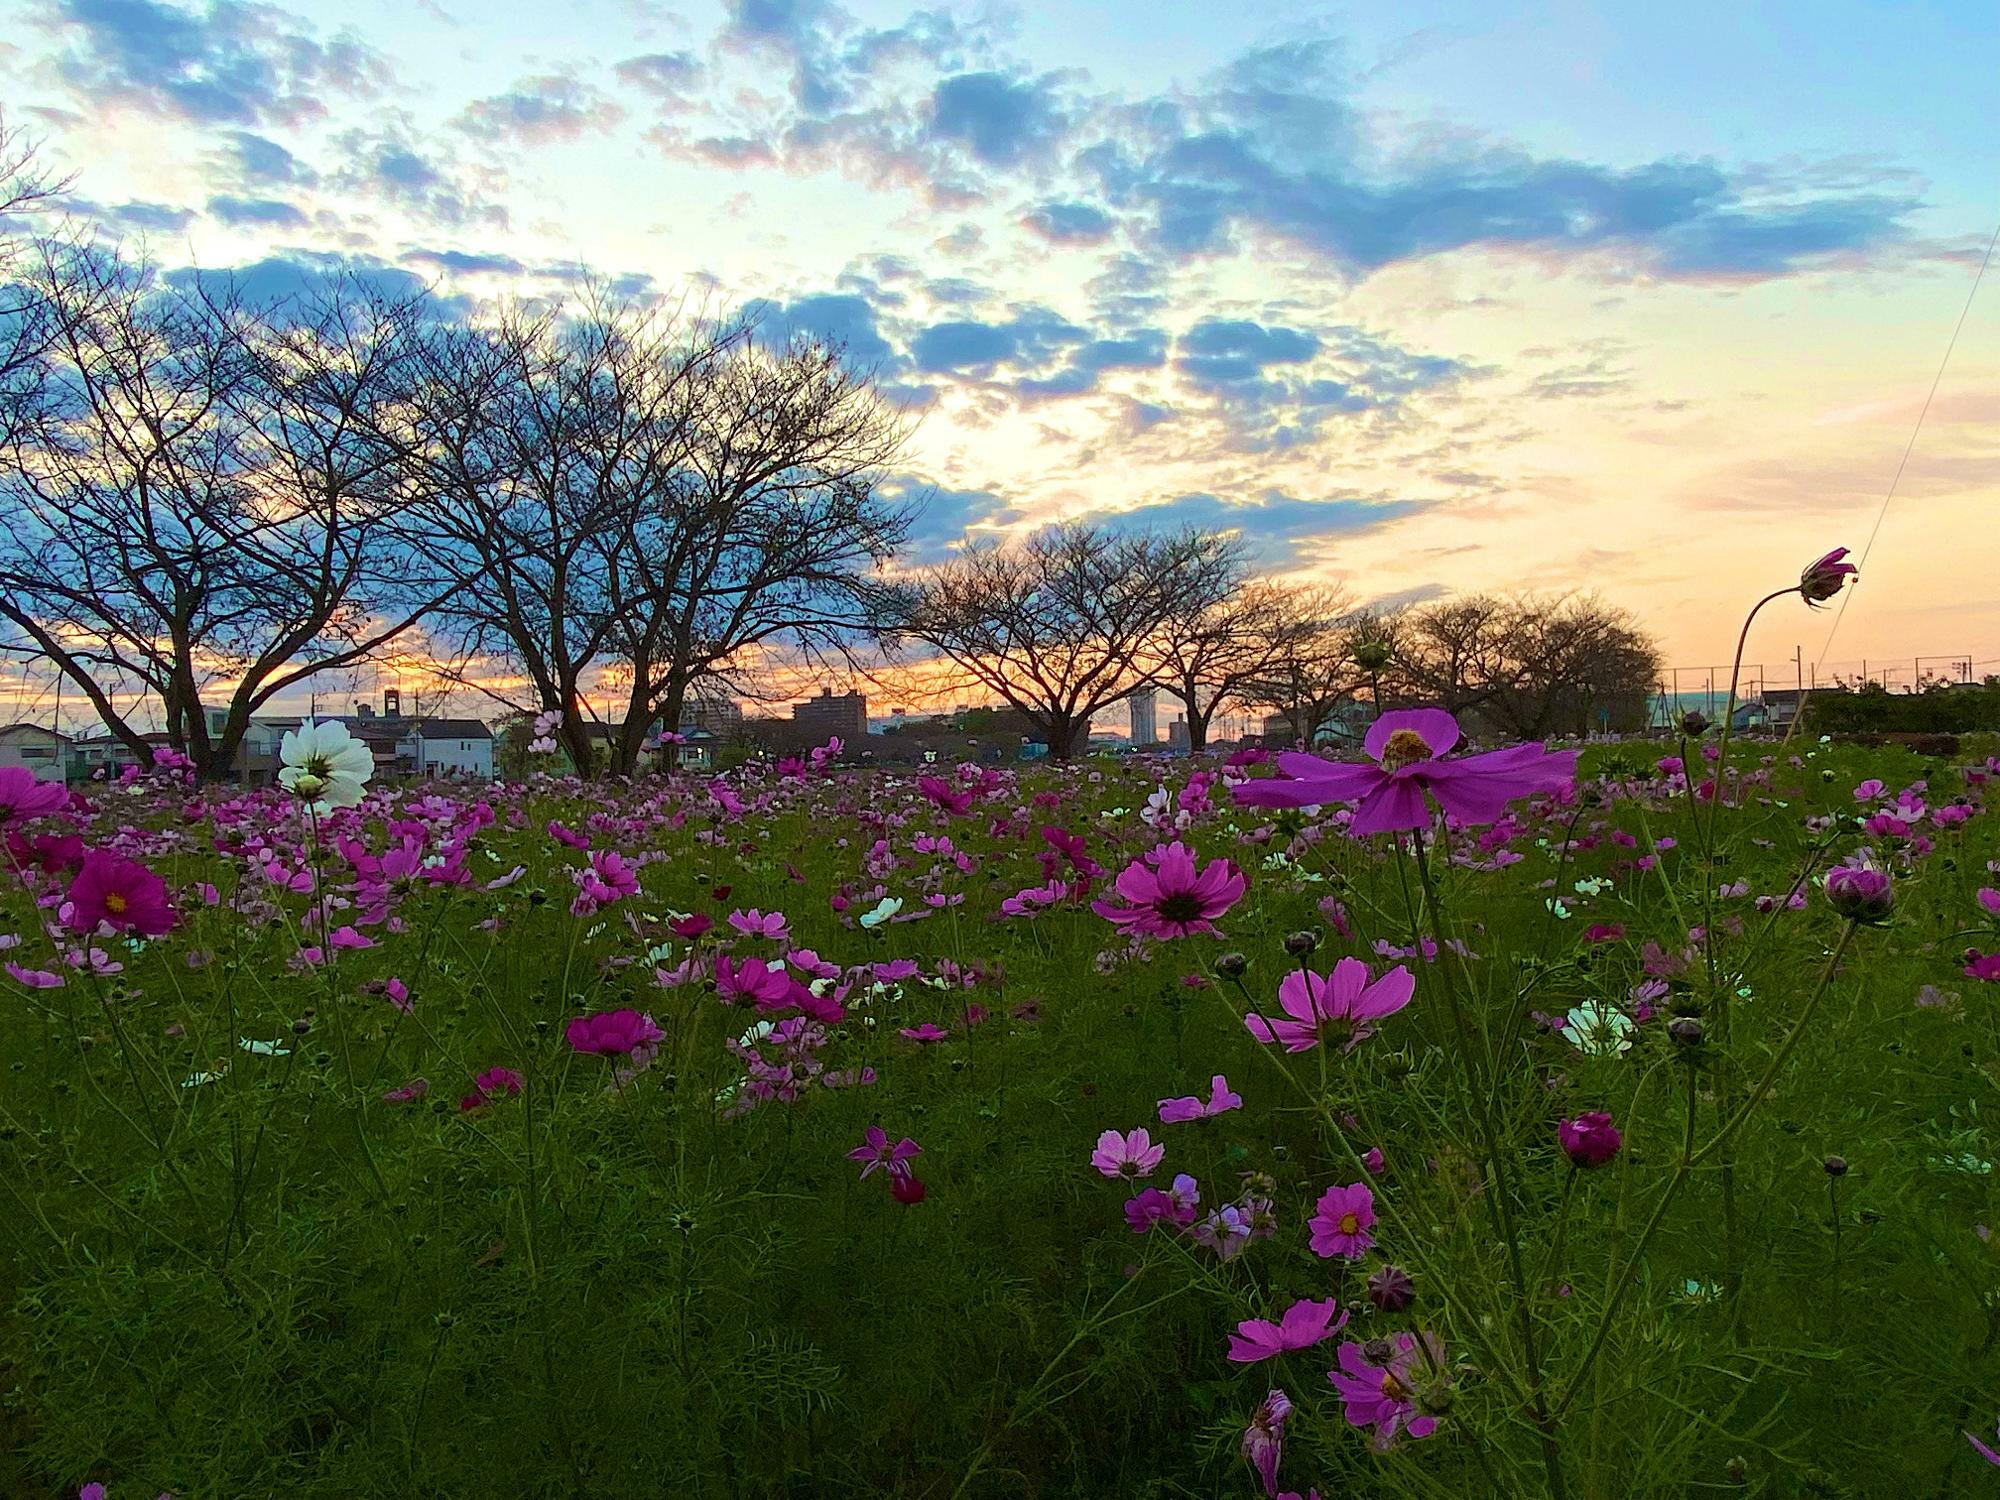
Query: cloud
(999, 120)
(137, 217)
(1273, 524)
(670, 79)
(255, 161)
(295, 275)
(964, 346)
(1220, 352)
(464, 263)
(264, 213)
(385, 164)
(943, 518)
(538, 111)
(1068, 223)
(230, 62)
(843, 318)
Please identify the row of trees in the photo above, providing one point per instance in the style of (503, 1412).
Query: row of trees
(206, 501)
(1073, 620)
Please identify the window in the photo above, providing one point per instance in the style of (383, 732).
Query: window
(37, 752)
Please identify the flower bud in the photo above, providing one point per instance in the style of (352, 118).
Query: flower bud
(1687, 1030)
(1836, 1166)
(1299, 944)
(1232, 965)
(1391, 1289)
(1694, 723)
(1590, 1140)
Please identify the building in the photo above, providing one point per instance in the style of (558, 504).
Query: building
(1144, 706)
(844, 714)
(32, 747)
(716, 714)
(1177, 734)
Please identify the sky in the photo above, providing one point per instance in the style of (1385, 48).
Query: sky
(1427, 298)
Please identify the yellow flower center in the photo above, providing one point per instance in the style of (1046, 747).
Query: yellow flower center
(1405, 748)
(1350, 1223)
(1392, 1388)
(115, 904)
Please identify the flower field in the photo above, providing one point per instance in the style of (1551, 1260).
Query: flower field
(1432, 1124)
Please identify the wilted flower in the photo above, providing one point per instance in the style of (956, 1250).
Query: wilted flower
(1391, 1289)
(1823, 579)
(1264, 1439)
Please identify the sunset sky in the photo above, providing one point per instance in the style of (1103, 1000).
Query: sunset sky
(1426, 297)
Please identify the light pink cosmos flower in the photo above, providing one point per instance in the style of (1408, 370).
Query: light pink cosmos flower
(1220, 1101)
(1339, 1009)
(1167, 896)
(1341, 1221)
(1302, 1325)
(755, 923)
(876, 1150)
(1405, 746)
(1131, 1155)
(1988, 899)
(1264, 1439)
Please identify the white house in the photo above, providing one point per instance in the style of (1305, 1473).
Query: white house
(35, 748)
(446, 747)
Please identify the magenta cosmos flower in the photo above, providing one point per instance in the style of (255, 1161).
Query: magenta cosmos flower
(1131, 1155)
(1590, 1140)
(613, 1032)
(1166, 896)
(1405, 746)
(1341, 1221)
(23, 797)
(1264, 1439)
(1825, 578)
(1339, 1009)
(1302, 1325)
(121, 892)
(876, 1150)
(1381, 1392)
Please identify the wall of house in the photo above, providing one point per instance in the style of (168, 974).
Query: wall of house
(37, 753)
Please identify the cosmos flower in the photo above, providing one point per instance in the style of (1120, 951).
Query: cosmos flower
(1405, 746)
(1170, 897)
(876, 1150)
(1339, 1009)
(1264, 1439)
(1341, 1221)
(324, 765)
(1589, 1140)
(1130, 1155)
(120, 893)
(1823, 579)
(612, 1032)
(1220, 1100)
(1301, 1325)
(23, 797)
(1377, 1385)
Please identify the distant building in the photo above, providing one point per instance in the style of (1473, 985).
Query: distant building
(1177, 733)
(844, 714)
(34, 748)
(1144, 706)
(716, 714)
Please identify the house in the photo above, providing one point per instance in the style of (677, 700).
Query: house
(32, 747)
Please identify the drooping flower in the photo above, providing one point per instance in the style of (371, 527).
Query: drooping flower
(1220, 1101)
(1167, 896)
(1264, 1439)
(1377, 1382)
(324, 765)
(1589, 1140)
(876, 1150)
(1405, 746)
(1300, 1326)
(120, 892)
(1129, 1155)
(1341, 1221)
(22, 796)
(907, 1188)
(1861, 890)
(1338, 1009)
(1823, 579)
(613, 1032)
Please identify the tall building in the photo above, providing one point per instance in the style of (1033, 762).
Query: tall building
(844, 714)
(717, 714)
(1177, 733)
(1144, 706)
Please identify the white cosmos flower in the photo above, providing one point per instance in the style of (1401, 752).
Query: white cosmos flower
(886, 908)
(324, 764)
(1600, 1030)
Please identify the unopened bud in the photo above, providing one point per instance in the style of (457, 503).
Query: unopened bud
(1299, 944)
(1232, 965)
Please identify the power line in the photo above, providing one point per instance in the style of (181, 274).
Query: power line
(1910, 447)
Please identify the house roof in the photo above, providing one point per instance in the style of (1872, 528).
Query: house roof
(10, 731)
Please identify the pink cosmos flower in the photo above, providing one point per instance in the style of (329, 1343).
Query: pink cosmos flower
(1341, 1221)
(1590, 1140)
(755, 923)
(1982, 965)
(1178, 1205)
(613, 1032)
(907, 1188)
(738, 978)
(928, 1032)
(1339, 1009)
(121, 892)
(1990, 1455)
(690, 927)
(1302, 1325)
(1405, 745)
(939, 791)
(23, 797)
(34, 979)
(1988, 899)
(494, 1083)
(1220, 1101)
(876, 1150)
(1383, 1395)
(408, 1093)
(1169, 897)
(1131, 1155)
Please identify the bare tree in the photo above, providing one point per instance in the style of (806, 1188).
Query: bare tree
(1572, 658)
(1066, 623)
(1220, 650)
(549, 440)
(1456, 653)
(201, 503)
(770, 535)
(1311, 668)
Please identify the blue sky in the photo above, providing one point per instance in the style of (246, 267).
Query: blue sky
(1418, 298)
